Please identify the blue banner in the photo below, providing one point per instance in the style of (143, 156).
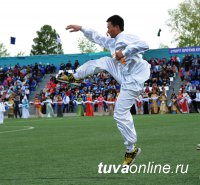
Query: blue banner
(186, 50)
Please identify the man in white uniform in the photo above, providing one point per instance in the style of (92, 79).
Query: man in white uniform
(127, 67)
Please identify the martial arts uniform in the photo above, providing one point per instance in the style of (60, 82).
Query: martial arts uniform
(131, 76)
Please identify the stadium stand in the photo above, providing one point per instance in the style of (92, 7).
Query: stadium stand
(169, 74)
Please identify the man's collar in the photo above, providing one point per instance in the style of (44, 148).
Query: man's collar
(118, 35)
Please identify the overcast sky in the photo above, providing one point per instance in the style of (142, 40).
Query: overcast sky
(22, 18)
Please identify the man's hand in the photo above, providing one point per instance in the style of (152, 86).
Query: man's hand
(119, 55)
(73, 28)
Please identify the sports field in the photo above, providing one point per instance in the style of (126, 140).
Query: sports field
(66, 151)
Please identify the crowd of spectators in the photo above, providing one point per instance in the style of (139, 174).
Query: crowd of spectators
(153, 100)
(190, 84)
(17, 81)
(187, 99)
(102, 89)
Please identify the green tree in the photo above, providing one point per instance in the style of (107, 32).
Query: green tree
(47, 42)
(105, 50)
(21, 53)
(184, 22)
(3, 51)
(161, 45)
(86, 46)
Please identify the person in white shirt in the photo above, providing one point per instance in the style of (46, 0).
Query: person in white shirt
(127, 67)
(27, 92)
(2, 110)
(66, 101)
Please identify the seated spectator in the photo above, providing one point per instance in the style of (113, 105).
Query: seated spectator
(62, 66)
(76, 64)
(68, 65)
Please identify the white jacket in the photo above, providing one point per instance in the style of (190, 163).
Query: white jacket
(136, 70)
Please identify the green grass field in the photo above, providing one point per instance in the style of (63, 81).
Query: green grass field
(66, 151)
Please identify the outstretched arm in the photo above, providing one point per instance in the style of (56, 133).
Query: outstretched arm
(73, 28)
(92, 35)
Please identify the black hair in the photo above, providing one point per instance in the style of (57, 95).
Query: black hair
(116, 20)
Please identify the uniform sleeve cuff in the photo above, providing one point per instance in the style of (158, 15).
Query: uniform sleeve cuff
(124, 52)
(83, 28)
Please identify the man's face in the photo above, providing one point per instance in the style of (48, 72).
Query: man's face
(112, 30)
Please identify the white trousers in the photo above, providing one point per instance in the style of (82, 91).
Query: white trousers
(1, 117)
(95, 66)
(124, 102)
